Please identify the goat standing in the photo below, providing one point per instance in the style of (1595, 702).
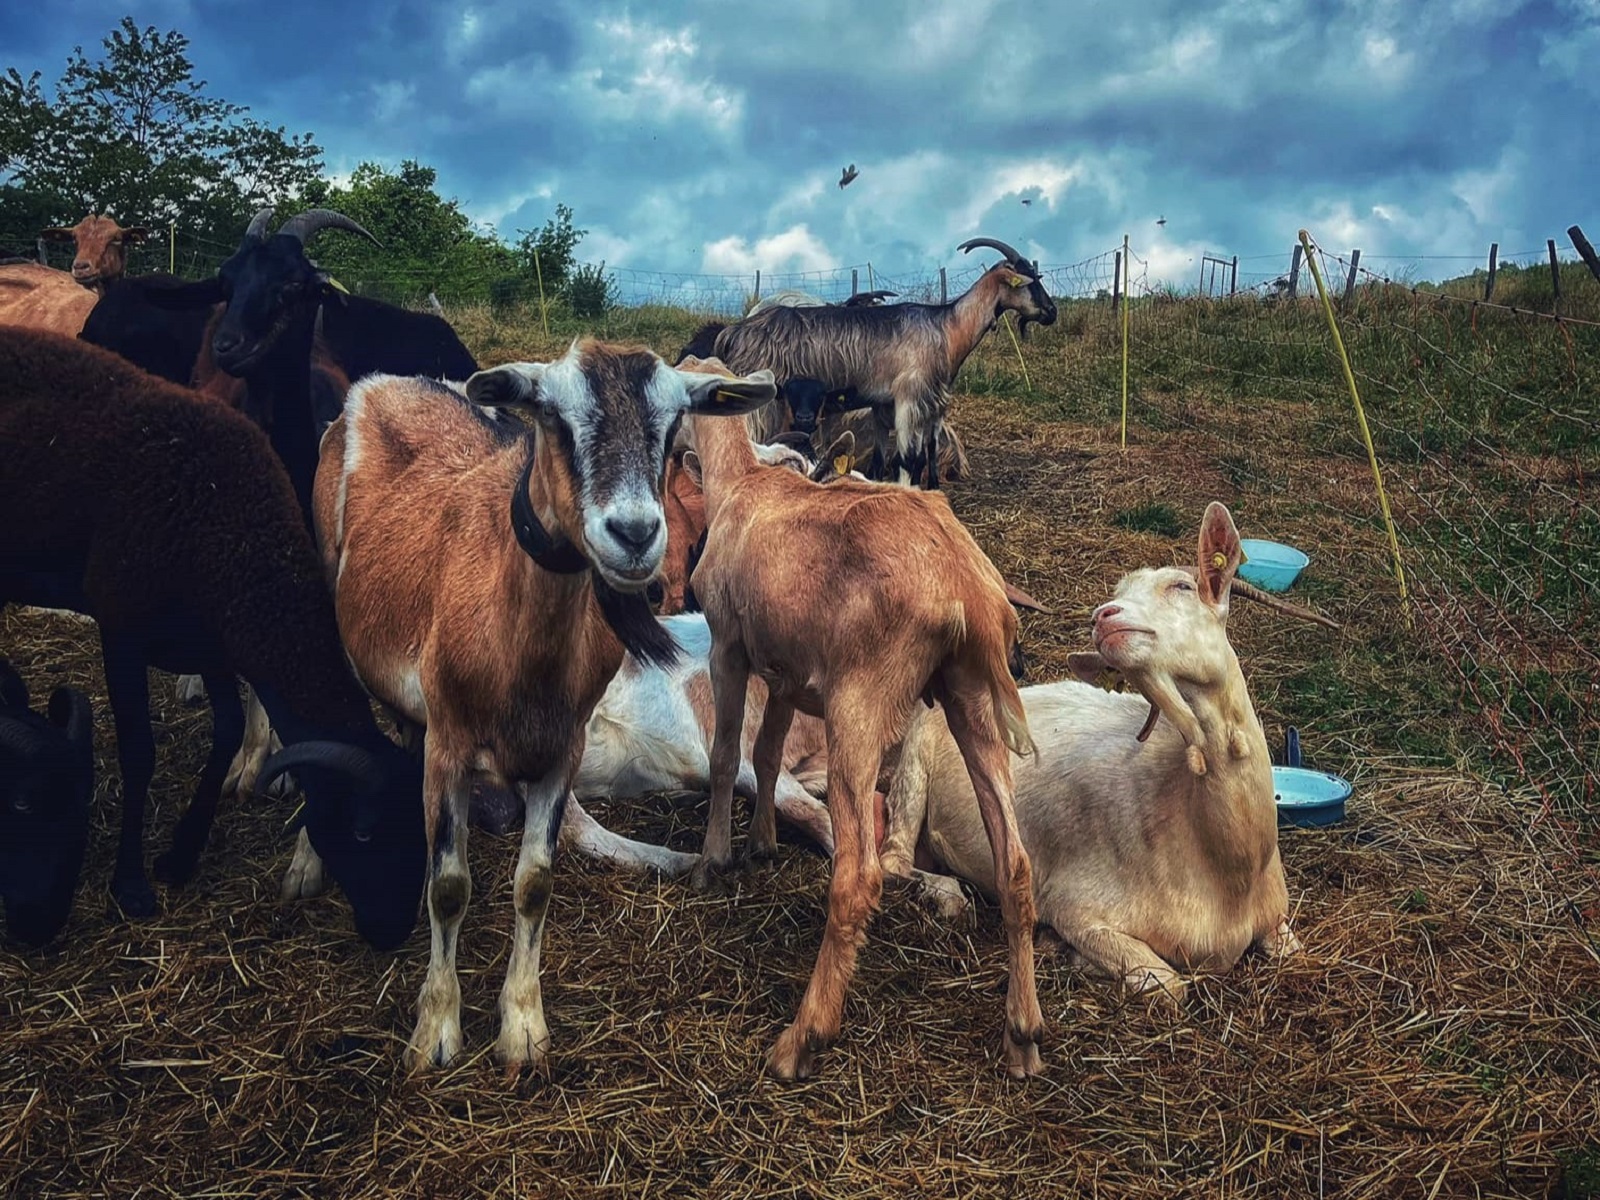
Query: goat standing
(500, 654)
(899, 358)
(880, 597)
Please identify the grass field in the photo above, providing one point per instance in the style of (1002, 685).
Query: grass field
(1439, 1036)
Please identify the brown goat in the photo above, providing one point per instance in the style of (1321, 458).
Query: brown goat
(36, 297)
(501, 653)
(98, 249)
(879, 597)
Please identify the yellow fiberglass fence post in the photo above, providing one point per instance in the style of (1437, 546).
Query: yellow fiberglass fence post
(1006, 321)
(1127, 275)
(1361, 419)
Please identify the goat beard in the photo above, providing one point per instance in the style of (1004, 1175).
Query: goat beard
(636, 626)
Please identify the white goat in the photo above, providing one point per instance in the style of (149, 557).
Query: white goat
(1154, 842)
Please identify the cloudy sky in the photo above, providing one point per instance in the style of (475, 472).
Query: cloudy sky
(710, 136)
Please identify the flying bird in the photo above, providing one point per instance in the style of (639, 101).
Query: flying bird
(847, 175)
(1161, 221)
(1025, 203)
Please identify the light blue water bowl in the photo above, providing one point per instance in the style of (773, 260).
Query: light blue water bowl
(1308, 798)
(1270, 565)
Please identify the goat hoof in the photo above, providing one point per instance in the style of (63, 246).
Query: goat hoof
(794, 1055)
(436, 1047)
(1022, 1059)
(176, 867)
(758, 853)
(708, 876)
(135, 898)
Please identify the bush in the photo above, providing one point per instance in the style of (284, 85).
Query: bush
(588, 290)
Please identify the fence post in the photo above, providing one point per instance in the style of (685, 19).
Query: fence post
(944, 288)
(1233, 279)
(758, 285)
(44, 257)
(1494, 255)
(1585, 250)
(1361, 419)
(1555, 276)
(1126, 266)
(855, 282)
(1350, 279)
(172, 247)
(1116, 283)
(544, 310)
(872, 282)
(1294, 272)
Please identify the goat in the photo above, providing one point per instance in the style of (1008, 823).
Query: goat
(500, 654)
(167, 518)
(900, 358)
(99, 249)
(35, 297)
(46, 785)
(1154, 841)
(880, 597)
(271, 293)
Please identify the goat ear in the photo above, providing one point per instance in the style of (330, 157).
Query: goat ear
(728, 397)
(138, 233)
(57, 234)
(512, 383)
(1220, 555)
(691, 467)
(1088, 666)
(1021, 599)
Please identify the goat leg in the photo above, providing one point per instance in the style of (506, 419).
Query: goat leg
(176, 867)
(128, 687)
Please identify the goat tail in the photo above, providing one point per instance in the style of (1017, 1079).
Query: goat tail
(1009, 714)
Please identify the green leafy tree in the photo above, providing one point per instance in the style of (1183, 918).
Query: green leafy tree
(134, 132)
(556, 248)
(429, 244)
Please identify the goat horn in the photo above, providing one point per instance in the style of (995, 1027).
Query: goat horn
(258, 225)
(348, 760)
(1015, 259)
(314, 220)
(20, 740)
(1251, 592)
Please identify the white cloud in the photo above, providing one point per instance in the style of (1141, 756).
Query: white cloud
(651, 74)
(391, 97)
(794, 249)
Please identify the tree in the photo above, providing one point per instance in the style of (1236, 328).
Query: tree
(555, 245)
(429, 244)
(135, 133)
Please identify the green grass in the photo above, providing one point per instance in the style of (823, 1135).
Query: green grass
(1151, 517)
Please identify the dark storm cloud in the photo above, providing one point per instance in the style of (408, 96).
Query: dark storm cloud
(711, 135)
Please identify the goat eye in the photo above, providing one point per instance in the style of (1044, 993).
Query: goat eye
(1183, 585)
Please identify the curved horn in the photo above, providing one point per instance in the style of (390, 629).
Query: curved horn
(258, 225)
(1015, 259)
(342, 757)
(1250, 592)
(314, 220)
(21, 740)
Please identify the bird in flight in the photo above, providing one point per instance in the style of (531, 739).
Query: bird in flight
(1162, 221)
(1025, 203)
(848, 175)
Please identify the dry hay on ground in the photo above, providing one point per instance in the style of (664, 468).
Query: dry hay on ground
(1437, 1038)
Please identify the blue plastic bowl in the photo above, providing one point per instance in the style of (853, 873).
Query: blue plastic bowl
(1308, 798)
(1270, 565)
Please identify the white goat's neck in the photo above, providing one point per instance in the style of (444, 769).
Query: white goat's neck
(1221, 771)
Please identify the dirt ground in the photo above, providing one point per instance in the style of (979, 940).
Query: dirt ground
(1439, 1036)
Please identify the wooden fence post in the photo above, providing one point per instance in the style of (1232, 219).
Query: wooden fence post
(855, 281)
(1555, 276)
(944, 288)
(1350, 279)
(1294, 272)
(44, 257)
(1116, 283)
(1233, 279)
(758, 285)
(1585, 250)
(1494, 256)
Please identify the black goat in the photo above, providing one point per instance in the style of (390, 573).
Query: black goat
(46, 785)
(167, 518)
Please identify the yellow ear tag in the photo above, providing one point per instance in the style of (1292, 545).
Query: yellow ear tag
(842, 464)
(338, 285)
(1016, 281)
(1109, 681)
(1219, 560)
(720, 396)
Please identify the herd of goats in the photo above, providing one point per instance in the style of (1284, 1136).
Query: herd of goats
(599, 576)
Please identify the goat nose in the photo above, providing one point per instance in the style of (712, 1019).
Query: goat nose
(1105, 611)
(634, 533)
